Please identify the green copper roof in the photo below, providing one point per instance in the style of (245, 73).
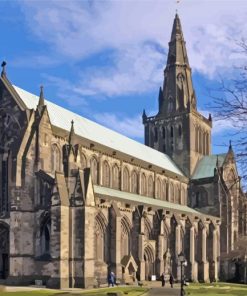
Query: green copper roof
(61, 117)
(143, 200)
(205, 167)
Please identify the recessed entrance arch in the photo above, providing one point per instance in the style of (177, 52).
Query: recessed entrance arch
(149, 262)
(4, 250)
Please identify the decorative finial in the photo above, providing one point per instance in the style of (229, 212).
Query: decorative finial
(230, 145)
(72, 132)
(41, 97)
(144, 116)
(4, 68)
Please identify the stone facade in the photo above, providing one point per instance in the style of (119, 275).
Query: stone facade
(73, 209)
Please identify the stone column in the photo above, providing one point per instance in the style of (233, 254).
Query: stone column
(160, 263)
(215, 255)
(118, 267)
(88, 247)
(178, 250)
(204, 255)
(193, 263)
(141, 241)
(141, 257)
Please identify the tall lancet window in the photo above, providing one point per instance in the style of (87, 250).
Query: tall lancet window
(134, 182)
(143, 184)
(115, 177)
(106, 174)
(94, 169)
(56, 158)
(126, 181)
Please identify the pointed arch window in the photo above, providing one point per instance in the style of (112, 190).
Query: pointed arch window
(56, 158)
(164, 191)
(134, 182)
(115, 177)
(125, 238)
(171, 197)
(106, 174)
(180, 131)
(170, 105)
(143, 184)
(94, 169)
(163, 133)
(171, 131)
(45, 238)
(155, 134)
(100, 238)
(126, 185)
(150, 186)
(158, 189)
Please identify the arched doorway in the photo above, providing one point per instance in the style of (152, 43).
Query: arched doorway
(149, 263)
(4, 250)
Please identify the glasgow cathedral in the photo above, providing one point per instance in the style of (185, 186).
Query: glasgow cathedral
(78, 200)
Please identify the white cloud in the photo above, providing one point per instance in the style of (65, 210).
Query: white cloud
(137, 34)
(129, 126)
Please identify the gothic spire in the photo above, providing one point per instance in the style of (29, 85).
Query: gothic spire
(3, 73)
(41, 97)
(230, 145)
(144, 116)
(72, 133)
(177, 50)
(178, 92)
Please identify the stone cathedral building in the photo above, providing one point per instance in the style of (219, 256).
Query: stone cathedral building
(78, 200)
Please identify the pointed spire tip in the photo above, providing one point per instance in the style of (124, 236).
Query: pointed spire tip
(3, 65)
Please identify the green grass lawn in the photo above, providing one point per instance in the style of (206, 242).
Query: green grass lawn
(128, 291)
(217, 289)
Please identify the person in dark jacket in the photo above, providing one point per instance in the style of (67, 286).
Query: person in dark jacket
(171, 280)
(163, 279)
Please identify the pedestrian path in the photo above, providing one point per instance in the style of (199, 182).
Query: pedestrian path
(166, 291)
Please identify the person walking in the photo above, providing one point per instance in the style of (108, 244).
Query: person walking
(171, 280)
(111, 279)
(163, 279)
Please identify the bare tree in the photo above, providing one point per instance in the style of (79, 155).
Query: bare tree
(230, 104)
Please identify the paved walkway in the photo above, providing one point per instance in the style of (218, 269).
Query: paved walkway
(164, 292)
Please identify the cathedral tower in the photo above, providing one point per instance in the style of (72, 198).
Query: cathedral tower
(178, 129)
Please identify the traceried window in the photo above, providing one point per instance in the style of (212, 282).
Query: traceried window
(126, 181)
(94, 169)
(180, 131)
(150, 186)
(171, 197)
(143, 184)
(125, 238)
(163, 133)
(134, 182)
(177, 194)
(56, 158)
(155, 134)
(164, 190)
(115, 177)
(100, 239)
(170, 105)
(158, 189)
(106, 174)
(45, 238)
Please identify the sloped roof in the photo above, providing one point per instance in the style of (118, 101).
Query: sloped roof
(137, 199)
(205, 167)
(61, 117)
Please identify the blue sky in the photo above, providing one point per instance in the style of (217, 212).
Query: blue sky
(105, 59)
